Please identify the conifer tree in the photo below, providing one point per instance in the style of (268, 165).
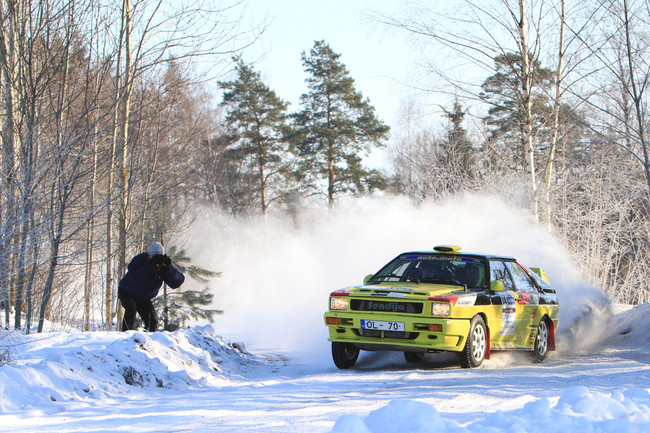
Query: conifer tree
(335, 128)
(256, 122)
(460, 151)
(506, 117)
(181, 305)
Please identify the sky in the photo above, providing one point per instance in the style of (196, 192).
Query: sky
(380, 61)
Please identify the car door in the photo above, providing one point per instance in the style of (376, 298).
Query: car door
(503, 319)
(527, 303)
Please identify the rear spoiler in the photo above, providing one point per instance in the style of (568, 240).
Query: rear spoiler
(542, 274)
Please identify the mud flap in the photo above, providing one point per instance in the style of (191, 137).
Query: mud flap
(551, 337)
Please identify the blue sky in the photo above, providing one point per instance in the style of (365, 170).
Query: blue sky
(378, 61)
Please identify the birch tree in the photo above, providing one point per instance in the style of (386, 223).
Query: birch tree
(151, 34)
(471, 36)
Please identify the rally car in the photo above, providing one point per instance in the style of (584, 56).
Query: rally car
(445, 300)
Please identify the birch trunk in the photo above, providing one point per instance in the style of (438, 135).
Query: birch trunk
(556, 118)
(527, 84)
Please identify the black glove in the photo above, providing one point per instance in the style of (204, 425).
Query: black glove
(166, 261)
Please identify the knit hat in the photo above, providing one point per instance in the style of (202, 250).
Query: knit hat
(155, 248)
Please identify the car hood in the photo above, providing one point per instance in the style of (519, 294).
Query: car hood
(401, 290)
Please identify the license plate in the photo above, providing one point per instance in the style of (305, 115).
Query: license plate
(382, 325)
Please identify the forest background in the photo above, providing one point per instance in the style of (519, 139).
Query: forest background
(113, 136)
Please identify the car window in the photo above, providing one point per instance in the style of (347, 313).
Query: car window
(540, 282)
(393, 271)
(521, 278)
(498, 272)
(434, 268)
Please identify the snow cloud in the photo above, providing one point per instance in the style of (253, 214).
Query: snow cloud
(277, 274)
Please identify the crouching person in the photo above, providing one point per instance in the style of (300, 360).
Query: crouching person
(143, 279)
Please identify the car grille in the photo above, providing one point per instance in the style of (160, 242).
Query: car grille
(386, 306)
(374, 333)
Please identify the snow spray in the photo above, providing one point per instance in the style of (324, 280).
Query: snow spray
(277, 273)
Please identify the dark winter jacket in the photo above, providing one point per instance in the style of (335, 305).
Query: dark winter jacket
(143, 281)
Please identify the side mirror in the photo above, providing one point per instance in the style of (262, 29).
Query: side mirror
(367, 278)
(497, 286)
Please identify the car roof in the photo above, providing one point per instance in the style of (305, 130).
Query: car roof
(458, 252)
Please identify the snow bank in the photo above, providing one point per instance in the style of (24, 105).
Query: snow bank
(49, 368)
(630, 328)
(578, 410)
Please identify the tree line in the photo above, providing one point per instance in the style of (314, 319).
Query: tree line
(558, 123)
(272, 155)
(109, 137)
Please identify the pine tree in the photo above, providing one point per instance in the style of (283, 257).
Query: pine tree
(334, 128)
(459, 149)
(256, 124)
(179, 306)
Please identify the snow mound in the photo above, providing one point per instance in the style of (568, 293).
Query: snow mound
(630, 328)
(578, 410)
(47, 368)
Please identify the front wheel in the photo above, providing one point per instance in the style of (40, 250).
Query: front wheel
(475, 348)
(344, 354)
(541, 341)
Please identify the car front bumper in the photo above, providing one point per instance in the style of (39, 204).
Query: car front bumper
(420, 333)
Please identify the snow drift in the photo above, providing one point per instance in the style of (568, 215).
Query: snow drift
(579, 410)
(57, 367)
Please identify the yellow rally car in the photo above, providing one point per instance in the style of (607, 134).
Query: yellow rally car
(445, 300)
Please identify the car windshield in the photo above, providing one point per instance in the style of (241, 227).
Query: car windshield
(434, 268)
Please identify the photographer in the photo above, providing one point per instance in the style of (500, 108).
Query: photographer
(144, 277)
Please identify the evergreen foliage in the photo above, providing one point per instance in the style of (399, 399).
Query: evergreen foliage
(335, 127)
(460, 151)
(256, 123)
(179, 306)
(503, 91)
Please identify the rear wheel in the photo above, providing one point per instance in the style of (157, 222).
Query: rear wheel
(413, 356)
(541, 341)
(476, 344)
(344, 354)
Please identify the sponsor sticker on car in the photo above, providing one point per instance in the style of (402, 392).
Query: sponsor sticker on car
(508, 314)
(466, 300)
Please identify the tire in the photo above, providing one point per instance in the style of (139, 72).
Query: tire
(542, 338)
(475, 348)
(413, 356)
(344, 354)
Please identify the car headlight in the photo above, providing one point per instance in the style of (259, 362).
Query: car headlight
(337, 303)
(440, 309)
